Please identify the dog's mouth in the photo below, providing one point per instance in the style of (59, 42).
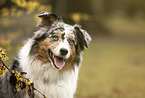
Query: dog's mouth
(56, 61)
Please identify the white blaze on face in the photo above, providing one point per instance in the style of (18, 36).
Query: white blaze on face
(62, 50)
(62, 45)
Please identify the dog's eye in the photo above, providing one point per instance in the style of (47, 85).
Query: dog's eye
(55, 38)
(71, 42)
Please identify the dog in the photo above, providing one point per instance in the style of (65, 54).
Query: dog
(51, 59)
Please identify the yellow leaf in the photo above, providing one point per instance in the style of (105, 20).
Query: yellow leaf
(3, 56)
(16, 89)
(2, 70)
(28, 82)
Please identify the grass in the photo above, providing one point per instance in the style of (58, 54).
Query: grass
(112, 69)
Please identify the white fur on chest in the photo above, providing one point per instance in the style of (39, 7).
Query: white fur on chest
(51, 82)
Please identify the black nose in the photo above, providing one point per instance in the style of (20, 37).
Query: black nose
(63, 51)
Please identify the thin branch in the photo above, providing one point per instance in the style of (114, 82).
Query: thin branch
(6, 66)
(39, 92)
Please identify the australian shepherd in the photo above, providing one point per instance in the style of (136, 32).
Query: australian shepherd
(51, 59)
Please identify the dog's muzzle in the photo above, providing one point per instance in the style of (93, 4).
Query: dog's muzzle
(57, 61)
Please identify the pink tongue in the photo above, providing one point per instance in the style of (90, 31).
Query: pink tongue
(59, 62)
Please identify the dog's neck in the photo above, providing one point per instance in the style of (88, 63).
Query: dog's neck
(45, 72)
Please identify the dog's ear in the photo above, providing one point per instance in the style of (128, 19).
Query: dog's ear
(83, 38)
(46, 18)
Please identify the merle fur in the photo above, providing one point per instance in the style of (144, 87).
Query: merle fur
(80, 46)
(6, 90)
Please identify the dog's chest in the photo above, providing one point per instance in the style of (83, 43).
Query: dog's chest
(57, 89)
(53, 83)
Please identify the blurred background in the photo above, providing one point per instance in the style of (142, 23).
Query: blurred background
(114, 64)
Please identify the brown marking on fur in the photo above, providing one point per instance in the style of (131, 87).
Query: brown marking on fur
(69, 63)
(58, 34)
(70, 37)
(42, 50)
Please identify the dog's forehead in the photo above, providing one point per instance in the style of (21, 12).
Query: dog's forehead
(69, 30)
(65, 29)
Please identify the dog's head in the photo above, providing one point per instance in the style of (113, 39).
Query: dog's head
(58, 43)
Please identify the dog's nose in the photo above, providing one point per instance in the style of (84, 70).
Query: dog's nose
(63, 51)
